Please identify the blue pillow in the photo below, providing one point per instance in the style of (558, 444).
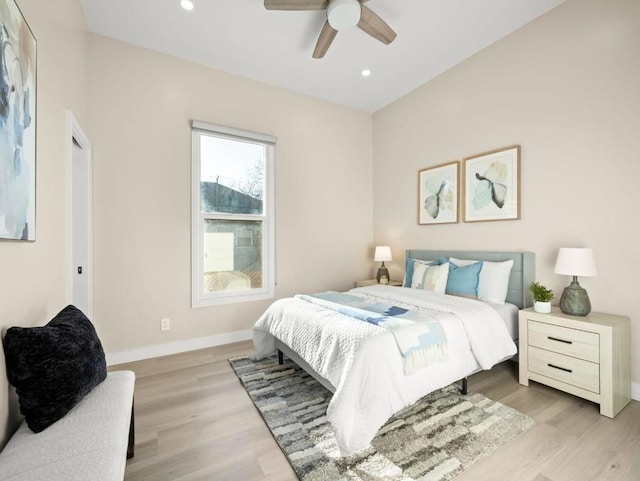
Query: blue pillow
(463, 280)
(409, 268)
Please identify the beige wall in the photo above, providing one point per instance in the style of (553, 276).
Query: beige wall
(33, 284)
(566, 88)
(140, 104)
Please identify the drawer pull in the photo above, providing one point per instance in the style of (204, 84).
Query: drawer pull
(561, 368)
(559, 340)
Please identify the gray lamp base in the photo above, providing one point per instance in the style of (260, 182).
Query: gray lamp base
(383, 271)
(575, 300)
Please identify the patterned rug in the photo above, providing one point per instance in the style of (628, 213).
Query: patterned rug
(433, 440)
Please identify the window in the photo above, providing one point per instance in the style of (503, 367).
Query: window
(232, 215)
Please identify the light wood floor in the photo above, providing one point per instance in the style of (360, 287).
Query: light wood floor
(194, 421)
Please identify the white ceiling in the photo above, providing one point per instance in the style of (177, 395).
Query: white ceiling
(241, 37)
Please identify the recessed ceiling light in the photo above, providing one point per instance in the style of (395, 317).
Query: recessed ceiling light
(186, 4)
(366, 72)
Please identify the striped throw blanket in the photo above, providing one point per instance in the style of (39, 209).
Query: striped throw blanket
(421, 340)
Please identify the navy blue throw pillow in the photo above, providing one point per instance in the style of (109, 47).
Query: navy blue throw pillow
(54, 366)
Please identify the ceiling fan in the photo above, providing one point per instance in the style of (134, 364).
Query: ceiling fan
(341, 15)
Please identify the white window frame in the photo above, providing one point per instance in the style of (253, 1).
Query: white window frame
(199, 298)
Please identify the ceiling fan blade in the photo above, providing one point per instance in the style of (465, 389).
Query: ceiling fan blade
(375, 26)
(327, 35)
(296, 4)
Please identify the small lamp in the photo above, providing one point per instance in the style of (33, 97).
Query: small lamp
(383, 253)
(575, 262)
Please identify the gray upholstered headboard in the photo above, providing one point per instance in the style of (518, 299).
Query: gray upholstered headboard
(522, 274)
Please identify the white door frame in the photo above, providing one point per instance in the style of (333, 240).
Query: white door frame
(75, 131)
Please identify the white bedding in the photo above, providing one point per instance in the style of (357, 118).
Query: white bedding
(509, 314)
(362, 360)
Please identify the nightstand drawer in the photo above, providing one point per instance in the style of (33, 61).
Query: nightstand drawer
(569, 370)
(571, 342)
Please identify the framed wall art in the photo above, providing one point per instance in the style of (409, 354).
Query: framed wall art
(492, 185)
(438, 194)
(17, 125)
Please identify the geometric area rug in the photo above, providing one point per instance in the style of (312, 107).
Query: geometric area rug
(435, 439)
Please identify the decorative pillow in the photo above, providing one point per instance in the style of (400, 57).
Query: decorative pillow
(408, 270)
(463, 280)
(408, 277)
(493, 282)
(54, 366)
(430, 277)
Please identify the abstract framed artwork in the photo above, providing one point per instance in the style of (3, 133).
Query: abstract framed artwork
(438, 194)
(17, 125)
(492, 185)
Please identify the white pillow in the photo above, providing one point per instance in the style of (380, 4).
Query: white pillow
(431, 278)
(493, 282)
(463, 262)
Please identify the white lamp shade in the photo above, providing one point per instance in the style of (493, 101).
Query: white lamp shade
(343, 14)
(383, 253)
(573, 261)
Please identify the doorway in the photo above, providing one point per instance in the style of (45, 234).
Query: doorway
(80, 218)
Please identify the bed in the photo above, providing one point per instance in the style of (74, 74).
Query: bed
(359, 361)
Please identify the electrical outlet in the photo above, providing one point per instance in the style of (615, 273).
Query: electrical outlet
(165, 324)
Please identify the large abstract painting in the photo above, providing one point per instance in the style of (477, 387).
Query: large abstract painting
(492, 185)
(438, 194)
(17, 125)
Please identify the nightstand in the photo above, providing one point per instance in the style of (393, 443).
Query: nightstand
(373, 282)
(585, 356)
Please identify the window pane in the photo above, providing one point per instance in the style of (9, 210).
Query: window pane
(232, 255)
(232, 175)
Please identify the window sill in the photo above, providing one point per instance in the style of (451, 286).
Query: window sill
(227, 298)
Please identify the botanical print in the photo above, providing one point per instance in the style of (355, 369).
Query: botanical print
(442, 198)
(438, 194)
(492, 184)
(491, 187)
(17, 125)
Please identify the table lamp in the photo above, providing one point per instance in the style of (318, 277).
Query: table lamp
(383, 253)
(575, 262)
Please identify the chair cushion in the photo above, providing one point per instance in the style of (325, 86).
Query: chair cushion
(88, 444)
(54, 366)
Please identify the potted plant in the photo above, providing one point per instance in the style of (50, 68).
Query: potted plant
(542, 297)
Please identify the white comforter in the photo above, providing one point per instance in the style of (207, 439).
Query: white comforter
(362, 361)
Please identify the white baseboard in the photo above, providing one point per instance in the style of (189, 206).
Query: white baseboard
(176, 347)
(635, 391)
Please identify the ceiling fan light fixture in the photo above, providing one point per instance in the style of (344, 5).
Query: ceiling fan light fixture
(186, 4)
(343, 14)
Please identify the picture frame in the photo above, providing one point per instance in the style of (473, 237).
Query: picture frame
(438, 194)
(18, 65)
(491, 189)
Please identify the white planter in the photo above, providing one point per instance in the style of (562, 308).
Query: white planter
(542, 307)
